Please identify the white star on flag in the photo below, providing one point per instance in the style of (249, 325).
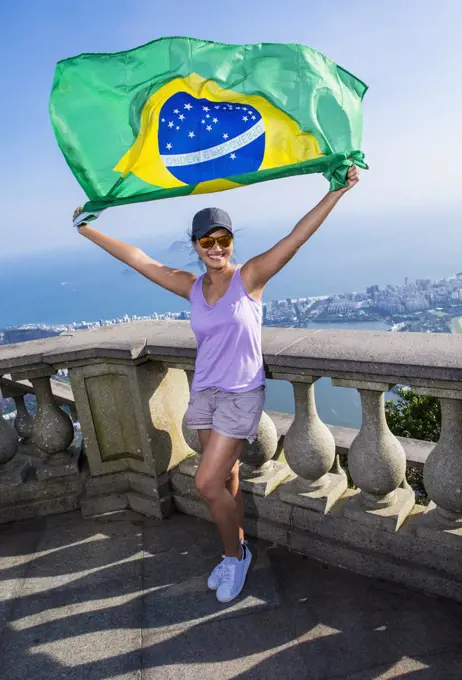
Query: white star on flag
(209, 127)
(170, 123)
(238, 107)
(191, 134)
(205, 108)
(169, 146)
(233, 156)
(215, 120)
(244, 118)
(207, 115)
(177, 127)
(225, 136)
(163, 120)
(176, 111)
(216, 107)
(188, 106)
(181, 117)
(202, 121)
(244, 109)
(254, 117)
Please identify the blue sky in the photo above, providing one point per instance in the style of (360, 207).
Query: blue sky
(408, 52)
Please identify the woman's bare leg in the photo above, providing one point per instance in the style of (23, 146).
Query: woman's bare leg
(218, 459)
(232, 483)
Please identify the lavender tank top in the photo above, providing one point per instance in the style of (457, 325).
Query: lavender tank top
(228, 336)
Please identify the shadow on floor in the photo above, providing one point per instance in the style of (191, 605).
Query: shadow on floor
(126, 597)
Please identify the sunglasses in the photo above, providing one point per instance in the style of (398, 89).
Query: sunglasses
(208, 242)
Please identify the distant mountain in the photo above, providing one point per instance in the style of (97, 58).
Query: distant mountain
(193, 264)
(178, 247)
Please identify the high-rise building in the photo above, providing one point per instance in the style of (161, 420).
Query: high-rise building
(372, 290)
(423, 284)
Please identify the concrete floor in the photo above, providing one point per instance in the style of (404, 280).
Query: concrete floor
(126, 597)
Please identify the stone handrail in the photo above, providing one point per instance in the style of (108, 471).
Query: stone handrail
(131, 388)
(393, 357)
(62, 392)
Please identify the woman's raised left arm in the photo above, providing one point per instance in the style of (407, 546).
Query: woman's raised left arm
(261, 268)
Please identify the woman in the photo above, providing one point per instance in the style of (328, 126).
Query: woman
(227, 393)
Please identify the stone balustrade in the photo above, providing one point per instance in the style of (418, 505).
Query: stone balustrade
(129, 389)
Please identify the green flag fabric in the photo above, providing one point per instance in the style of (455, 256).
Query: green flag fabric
(182, 116)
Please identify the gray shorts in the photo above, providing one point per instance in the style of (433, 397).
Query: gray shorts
(232, 414)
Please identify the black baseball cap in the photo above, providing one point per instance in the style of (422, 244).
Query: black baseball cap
(208, 219)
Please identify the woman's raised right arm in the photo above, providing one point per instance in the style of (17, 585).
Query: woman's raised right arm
(174, 280)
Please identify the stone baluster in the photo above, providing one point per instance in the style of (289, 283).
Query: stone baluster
(13, 469)
(309, 448)
(9, 442)
(259, 473)
(443, 472)
(23, 423)
(377, 464)
(53, 433)
(189, 465)
(191, 436)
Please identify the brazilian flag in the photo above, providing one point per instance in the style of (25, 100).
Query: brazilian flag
(182, 116)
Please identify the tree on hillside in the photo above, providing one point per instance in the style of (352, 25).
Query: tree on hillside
(414, 416)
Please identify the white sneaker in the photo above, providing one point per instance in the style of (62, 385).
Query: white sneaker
(215, 576)
(233, 576)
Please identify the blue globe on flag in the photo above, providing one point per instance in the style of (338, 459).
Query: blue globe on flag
(201, 140)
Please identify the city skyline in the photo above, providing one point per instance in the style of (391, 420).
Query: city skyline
(374, 303)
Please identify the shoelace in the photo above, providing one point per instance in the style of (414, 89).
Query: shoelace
(228, 572)
(219, 567)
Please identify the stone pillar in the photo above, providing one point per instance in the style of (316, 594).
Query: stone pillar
(443, 472)
(259, 473)
(52, 434)
(309, 448)
(131, 417)
(13, 469)
(377, 464)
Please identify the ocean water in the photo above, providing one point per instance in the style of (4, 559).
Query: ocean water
(71, 287)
